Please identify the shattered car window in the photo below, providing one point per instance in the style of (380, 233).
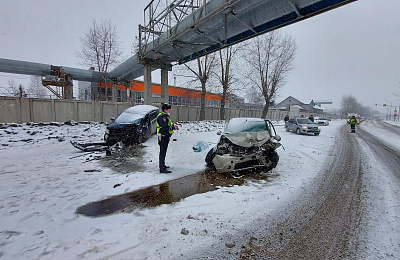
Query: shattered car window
(129, 118)
(238, 126)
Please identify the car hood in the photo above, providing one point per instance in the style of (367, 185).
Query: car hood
(115, 125)
(309, 125)
(248, 139)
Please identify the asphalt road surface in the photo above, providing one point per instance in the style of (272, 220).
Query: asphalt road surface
(350, 212)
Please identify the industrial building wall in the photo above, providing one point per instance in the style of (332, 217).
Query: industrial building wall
(22, 110)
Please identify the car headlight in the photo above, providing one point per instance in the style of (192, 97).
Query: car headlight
(107, 131)
(304, 127)
(319, 128)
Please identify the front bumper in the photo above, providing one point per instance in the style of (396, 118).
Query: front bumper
(228, 163)
(310, 130)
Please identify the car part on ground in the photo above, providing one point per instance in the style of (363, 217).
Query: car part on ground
(245, 144)
(302, 126)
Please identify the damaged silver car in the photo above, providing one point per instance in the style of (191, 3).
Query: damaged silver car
(245, 143)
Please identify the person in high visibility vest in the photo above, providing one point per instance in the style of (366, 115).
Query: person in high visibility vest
(165, 128)
(352, 123)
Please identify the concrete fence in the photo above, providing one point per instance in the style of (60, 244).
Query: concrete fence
(22, 110)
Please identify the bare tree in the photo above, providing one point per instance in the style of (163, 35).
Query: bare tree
(100, 47)
(205, 66)
(14, 89)
(225, 75)
(270, 59)
(36, 88)
(350, 104)
(254, 96)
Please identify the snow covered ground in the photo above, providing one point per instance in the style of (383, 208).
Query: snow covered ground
(43, 180)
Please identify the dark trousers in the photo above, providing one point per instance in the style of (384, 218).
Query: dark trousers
(163, 143)
(353, 126)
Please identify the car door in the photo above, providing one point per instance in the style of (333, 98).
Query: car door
(290, 124)
(146, 126)
(153, 122)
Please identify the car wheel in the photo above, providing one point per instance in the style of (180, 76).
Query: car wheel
(287, 129)
(274, 159)
(298, 131)
(210, 156)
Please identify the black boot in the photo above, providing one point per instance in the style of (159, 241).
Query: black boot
(165, 171)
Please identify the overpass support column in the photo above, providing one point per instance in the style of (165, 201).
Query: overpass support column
(148, 95)
(68, 90)
(114, 92)
(164, 86)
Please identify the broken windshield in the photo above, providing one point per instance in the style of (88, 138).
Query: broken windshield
(238, 125)
(129, 118)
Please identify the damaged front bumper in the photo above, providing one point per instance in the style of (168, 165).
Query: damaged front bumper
(229, 163)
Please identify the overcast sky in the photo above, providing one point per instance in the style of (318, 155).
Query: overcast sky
(351, 50)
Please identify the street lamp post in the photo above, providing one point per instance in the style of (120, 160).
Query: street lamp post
(387, 111)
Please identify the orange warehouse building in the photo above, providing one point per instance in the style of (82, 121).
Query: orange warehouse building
(135, 94)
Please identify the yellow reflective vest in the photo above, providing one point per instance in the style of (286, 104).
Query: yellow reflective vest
(169, 123)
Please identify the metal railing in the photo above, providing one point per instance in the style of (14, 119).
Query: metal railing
(161, 15)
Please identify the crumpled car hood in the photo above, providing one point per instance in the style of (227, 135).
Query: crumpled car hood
(248, 139)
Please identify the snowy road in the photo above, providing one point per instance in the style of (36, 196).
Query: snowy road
(331, 196)
(351, 211)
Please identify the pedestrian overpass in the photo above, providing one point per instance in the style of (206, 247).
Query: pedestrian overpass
(185, 30)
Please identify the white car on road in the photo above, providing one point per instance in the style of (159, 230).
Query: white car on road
(321, 121)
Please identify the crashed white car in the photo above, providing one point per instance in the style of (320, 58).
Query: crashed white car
(245, 143)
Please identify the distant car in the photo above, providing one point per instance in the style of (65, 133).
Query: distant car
(321, 121)
(133, 126)
(245, 144)
(302, 126)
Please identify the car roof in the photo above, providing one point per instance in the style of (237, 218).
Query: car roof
(140, 109)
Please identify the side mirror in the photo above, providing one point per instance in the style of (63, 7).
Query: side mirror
(277, 138)
(112, 119)
(219, 132)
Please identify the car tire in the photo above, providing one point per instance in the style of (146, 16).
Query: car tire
(287, 129)
(298, 131)
(274, 158)
(209, 157)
